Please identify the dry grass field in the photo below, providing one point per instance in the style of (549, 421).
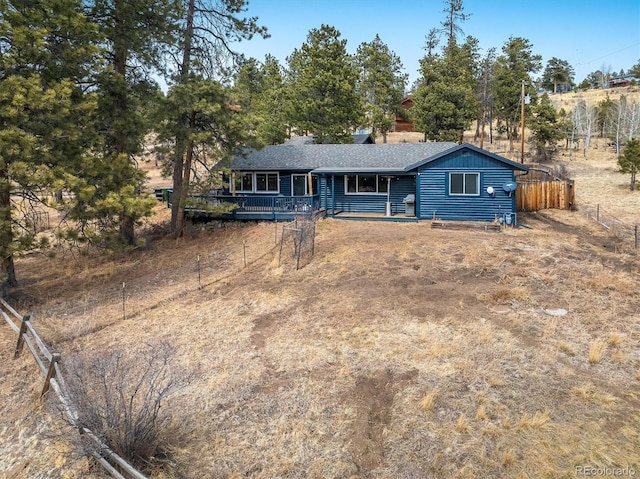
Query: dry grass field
(400, 351)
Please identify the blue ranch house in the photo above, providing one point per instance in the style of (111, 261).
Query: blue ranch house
(401, 182)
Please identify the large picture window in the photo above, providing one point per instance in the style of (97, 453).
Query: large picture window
(250, 182)
(365, 184)
(464, 184)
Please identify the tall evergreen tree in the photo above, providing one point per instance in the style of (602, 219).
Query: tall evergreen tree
(606, 115)
(381, 84)
(208, 29)
(635, 70)
(516, 65)
(557, 72)
(322, 81)
(137, 35)
(485, 95)
(629, 161)
(47, 48)
(263, 98)
(454, 11)
(544, 126)
(445, 101)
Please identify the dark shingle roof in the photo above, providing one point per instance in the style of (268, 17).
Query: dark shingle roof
(347, 157)
(389, 158)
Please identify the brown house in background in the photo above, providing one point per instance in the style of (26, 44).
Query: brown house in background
(403, 121)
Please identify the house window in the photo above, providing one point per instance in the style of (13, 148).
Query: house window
(365, 184)
(244, 182)
(267, 182)
(466, 184)
(300, 185)
(257, 182)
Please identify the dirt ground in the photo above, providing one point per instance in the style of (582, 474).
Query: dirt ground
(398, 351)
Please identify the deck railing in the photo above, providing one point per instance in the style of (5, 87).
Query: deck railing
(255, 204)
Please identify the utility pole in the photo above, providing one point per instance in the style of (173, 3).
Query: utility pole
(522, 125)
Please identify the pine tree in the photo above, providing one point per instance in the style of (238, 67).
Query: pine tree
(629, 161)
(454, 12)
(322, 80)
(606, 115)
(445, 101)
(260, 92)
(514, 66)
(544, 126)
(557, 72)
(485, 95)
(137, 35)
(45, 117)
(208, 29)
(380, 84)
(271, 128)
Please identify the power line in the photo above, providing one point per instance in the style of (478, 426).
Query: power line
(608, 54)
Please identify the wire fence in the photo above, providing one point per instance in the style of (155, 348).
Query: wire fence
(625, 232)
(99, 307)
(298, 241)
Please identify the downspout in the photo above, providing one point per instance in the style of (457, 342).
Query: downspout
(326, 194)
(333, 195)
(417, 188)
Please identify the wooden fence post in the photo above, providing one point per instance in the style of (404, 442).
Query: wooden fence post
(51, 373)
(23, 331)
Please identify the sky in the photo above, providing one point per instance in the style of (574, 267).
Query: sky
(589, 34)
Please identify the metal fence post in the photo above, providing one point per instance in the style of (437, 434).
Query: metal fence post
(199, 274)
(124, 302)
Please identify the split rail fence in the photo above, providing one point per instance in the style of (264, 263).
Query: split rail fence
(49, 365)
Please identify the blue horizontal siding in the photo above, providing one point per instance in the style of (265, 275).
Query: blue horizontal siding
(401, 186)
(433, 189)
(285, 183)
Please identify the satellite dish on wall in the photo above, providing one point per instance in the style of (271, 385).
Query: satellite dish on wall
(509, 187)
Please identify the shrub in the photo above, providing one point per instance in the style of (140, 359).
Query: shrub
(119, 395)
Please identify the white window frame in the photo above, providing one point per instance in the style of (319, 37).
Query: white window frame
(239, 176)
(267, 191)
(464, 183)
(377, 192)
(254, 182)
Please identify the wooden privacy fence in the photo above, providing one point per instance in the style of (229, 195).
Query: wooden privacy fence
(49, 366)
(541, 189)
